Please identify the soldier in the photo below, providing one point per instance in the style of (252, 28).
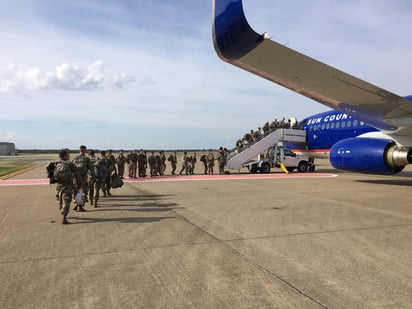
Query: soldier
(133, 163)
(91, 178)
(100, 171)
(184, 164)
(221, 159)
(162, 167)
(152, 164)
(274, 125)
(65, 172)
(129, 164)
(204, 161)
(210, 162)
(266, 128)
(111, 167)
(142, 163)
(193, 163)
(111, 156)
(257, 135)
(121, 161)
(84, 167)
(173, 161)
(239, 145)
(249, 138)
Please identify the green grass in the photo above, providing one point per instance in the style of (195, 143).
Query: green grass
(8, 169)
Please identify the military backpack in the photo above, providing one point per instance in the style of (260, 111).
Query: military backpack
(62, 172)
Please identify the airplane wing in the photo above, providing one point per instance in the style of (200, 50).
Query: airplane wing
(237, 43)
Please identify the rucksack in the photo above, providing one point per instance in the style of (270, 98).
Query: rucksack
(102, 170)
(62, 172)
(50, 172)
(81, 164)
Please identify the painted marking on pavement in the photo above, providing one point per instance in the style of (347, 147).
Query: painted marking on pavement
(33, 182)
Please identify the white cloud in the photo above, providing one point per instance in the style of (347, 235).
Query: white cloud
(122, 79)
(66, 76)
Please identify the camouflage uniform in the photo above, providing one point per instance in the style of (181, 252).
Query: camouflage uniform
(193, 163)
(133, 164)
(152, 165)
(91, 178)
(221, 158)
(84, 166)
(142, 163)
(65, 187)
(184, 164)
(210, 158)
(162, 167)
(101, 171)
(173, 161)
(121, 161)
(204, 160)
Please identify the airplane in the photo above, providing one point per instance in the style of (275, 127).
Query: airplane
(370, 128)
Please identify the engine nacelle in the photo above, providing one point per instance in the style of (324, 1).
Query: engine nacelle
(369, 155)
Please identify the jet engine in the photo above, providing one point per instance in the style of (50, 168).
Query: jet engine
(370, 156)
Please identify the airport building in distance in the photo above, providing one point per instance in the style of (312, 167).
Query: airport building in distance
(7, 149)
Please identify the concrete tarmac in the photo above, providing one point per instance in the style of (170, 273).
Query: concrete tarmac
(337, 242)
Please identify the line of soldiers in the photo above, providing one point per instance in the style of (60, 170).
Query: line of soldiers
(86, 175)
(209, 159)
(94, 175)
(256, 135)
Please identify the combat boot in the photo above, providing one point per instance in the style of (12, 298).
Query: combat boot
(64, 220)
(95, 204)
(91, 201)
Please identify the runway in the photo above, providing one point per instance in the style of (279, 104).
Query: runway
(280, 242)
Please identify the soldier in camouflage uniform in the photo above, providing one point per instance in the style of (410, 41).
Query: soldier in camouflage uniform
(184, 164)
(100, 171)
(221, 159)
(65, 174)
(162, 167)
(210, 162)
(173, 161)
(111, 156)
(193, 163)
(111, 168)
(133, 163)
(152, 164)
(121, 161)
(91, 178)
(142, 163)
(84, 166)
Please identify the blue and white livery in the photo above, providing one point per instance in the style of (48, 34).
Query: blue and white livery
(370, 129)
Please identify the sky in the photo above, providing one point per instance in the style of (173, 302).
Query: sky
(130, 74)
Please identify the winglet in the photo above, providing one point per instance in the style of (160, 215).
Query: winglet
(232, 35)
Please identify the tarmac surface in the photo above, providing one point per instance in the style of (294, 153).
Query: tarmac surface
(340, 240)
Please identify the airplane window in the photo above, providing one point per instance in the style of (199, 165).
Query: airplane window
(323, 126)
(327, 126)
(337, 125)
(355, 123)
(318, 127)
(310, 128)
(362, 123)
(349, 123)
(332, 125)
(343, 124)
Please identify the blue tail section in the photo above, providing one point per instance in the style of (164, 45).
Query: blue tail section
(232, 35)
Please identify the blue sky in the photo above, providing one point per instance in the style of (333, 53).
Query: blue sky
(144, 74)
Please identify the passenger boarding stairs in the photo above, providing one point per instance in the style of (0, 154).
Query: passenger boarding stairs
(235, 159)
